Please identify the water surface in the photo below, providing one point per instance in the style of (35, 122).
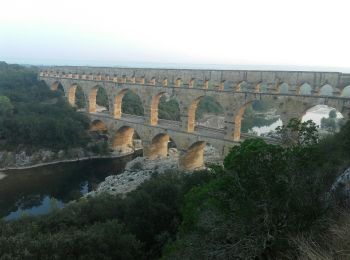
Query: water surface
(38, 190)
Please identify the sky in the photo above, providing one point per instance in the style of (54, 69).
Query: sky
(281, 34)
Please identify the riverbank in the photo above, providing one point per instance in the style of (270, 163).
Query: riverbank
(77, 159)
(141, 169)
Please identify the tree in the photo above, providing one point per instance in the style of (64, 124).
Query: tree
(329, 124)
(267, 194)
(298, 133)
(6, 107)
(333, 113)
(33, 116)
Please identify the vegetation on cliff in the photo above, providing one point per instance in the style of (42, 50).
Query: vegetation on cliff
(31, 115)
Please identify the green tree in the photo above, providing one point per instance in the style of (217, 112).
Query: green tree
(298, 133)
(168, 110)
(333, 113)
(267, 194)
(32, 116)
(80, 100)
(6, 107)
(132, 104)
(102, 98)
(208, 105)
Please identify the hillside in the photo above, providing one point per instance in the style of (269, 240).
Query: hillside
(32, 116)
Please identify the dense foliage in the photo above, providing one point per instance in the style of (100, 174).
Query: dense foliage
(332, 123)
(32, 115)
(132, 104)
(80, 99)
(266, 197)
(208, 105)
(105, 227)
(102, 98)
(168, 109)
(255, 206)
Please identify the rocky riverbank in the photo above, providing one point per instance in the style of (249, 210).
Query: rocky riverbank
(25, 160)
(141, 169)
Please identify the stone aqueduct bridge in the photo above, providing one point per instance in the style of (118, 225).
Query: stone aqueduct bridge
(291, 93)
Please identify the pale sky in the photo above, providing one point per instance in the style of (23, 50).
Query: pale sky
(310, 34)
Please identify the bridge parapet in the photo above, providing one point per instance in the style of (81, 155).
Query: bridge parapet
(221, 85)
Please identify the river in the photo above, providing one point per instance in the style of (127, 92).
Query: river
(38, 190)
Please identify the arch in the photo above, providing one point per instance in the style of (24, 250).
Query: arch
(261, 118)
(120, 107)
(283, 88)
(210, 103)
(79, 98)
(221, 85)
(98, 76)
(317, 113)
(155, 108)
(98, 126)
(165, 82)
(238, 121)
(229, 85)
(261, 87)
(242, 86)
(169, 108)
(178, 82)
(122, 79)
(153, 81)
(132, 79)
(304, 89)
(326, 90)
(141, 80)
(346, 92)
(57, 86)
(93, 99)
(191, 83)
(126, 140)
(194, 157)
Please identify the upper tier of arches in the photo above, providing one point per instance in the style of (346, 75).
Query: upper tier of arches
(232, 104)
(283, 88)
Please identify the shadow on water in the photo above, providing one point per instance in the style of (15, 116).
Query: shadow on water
(38, 190)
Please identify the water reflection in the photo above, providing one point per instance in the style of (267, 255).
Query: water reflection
(35, 191)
